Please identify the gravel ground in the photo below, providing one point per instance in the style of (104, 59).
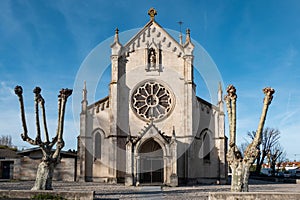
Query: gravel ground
(119, 191)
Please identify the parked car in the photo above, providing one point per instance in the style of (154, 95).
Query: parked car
(266, 171)
(280, 174)
(286, 174)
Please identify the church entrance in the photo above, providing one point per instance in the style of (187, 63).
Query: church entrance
(151, 163)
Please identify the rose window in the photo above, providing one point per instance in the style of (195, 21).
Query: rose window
(152, 100)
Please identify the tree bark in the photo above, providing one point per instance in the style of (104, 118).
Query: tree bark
(240, 177)
(236, 178)
(44, 176)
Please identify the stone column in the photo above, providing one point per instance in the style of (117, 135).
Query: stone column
(113, 102)
(81, 140)
(138, 170)
(173, 159)
(113, 161)
(167, 170)
(129, 164)
(222, 140)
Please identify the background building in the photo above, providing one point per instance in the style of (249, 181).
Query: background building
(22, 165)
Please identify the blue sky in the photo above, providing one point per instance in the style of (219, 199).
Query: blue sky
(253, 43)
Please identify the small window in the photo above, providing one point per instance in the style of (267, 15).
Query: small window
(97, 146)
(206, 147)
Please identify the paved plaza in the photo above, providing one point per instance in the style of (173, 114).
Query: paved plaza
(119, 191)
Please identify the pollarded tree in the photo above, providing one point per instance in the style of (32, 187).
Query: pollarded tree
(50, 157)
(240, 164)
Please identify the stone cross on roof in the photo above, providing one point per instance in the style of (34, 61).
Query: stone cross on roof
(152, 12)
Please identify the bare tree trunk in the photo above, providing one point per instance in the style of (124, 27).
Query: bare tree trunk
(240, 177)
(241, 166)
(237, 177)
(246, 173)
(44, 176)
(258, 163)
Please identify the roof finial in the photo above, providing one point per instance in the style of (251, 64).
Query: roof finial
(152, 12)
(188, 37)
(220, 95)
(173, 134)
(84, 101)
(84, 91)
(180, 35)
(220, 86)
(116, 35)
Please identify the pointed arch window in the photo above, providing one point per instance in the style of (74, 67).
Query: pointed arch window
(97, 146)
(203, 145)
(206, 146)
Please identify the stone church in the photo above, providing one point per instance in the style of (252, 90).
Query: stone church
(152, 128)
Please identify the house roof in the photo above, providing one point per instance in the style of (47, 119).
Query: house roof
(64, 154)
(6, 152)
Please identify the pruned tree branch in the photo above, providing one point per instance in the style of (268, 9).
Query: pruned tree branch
(267, 101)
(24, 135)
(63, 96)
(42, 104)
(230, 99)
(37, 91)
(54, 140)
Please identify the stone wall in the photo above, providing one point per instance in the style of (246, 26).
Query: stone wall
(27, 168)
(252, 195)
(27, 194)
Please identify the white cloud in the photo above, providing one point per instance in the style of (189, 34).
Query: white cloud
(6, 92)
(289, 138)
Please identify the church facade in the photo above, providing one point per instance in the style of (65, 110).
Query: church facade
(152, 128)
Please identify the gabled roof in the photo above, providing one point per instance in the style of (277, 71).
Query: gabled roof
(98, 102)
(210, 105)
(152, 32)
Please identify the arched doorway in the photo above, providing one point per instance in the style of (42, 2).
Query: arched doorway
(151, 163)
